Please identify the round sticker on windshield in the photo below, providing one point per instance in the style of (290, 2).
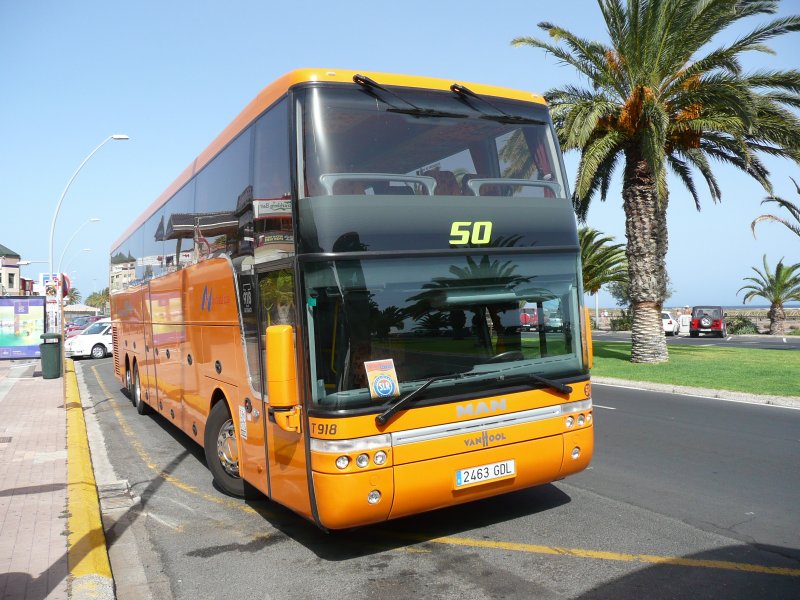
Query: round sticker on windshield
(383, 386)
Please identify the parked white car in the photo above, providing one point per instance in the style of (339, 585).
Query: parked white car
(94, 341)
(671, 326)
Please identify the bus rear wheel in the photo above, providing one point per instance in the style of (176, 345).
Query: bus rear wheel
(141, 405)
(222, 450)
(129, 383)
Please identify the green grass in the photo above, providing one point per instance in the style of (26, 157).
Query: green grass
(754, 371)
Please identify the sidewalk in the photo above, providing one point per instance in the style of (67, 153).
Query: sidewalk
(33, 483)
(51, 541)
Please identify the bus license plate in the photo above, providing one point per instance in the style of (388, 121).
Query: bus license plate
(484, 473)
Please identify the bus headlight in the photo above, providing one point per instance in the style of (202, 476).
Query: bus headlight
(362, 460)
(342, 462)
(374, 497)
(380, 457)
(581, 420)
(570, 421)
(576, 452)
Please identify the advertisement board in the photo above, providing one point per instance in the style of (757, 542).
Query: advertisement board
(22, 322)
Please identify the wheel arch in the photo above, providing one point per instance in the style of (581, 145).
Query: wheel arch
(217, 396)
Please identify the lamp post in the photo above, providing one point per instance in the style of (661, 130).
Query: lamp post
(72, 258)
(72, 237)
(116, 136)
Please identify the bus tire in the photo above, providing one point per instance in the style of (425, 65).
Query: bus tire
(129, 383)
(222, 450)
(138, 402)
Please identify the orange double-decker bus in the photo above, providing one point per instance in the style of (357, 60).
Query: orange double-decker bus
(329, 299)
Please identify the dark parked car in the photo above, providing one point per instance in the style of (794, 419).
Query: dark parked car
(708, 319)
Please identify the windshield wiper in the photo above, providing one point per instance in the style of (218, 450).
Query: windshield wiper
(384, 417)
(500, 115)
(563, 388)
(371, 85)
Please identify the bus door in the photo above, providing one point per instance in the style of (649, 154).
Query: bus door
(285, 449)
(147, 374)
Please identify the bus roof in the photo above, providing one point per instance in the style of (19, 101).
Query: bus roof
(278, 88)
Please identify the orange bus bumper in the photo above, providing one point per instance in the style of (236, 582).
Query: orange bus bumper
(407, 489)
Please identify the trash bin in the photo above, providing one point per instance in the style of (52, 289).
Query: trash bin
(50, 350)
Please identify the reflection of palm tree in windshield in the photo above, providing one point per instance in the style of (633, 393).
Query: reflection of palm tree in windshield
(382, 320)
(486, 275)
(434, 322)
(517, 158)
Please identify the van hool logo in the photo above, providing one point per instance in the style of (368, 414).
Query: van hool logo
(484, 439)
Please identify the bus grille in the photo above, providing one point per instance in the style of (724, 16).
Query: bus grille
(115, 343)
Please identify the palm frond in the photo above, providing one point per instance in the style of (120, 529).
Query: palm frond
(793, 210)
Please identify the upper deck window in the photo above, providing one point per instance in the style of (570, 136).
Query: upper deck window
(358, 142)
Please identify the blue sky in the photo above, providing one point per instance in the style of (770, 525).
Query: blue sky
(173, 74)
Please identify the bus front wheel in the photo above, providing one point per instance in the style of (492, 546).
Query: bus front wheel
(222, 450)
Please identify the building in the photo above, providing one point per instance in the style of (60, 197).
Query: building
(123, 271)
(9, 272)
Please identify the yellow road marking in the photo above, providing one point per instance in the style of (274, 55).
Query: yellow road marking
(148, 461)
(459, 541)
(617, 556)
(86, 542)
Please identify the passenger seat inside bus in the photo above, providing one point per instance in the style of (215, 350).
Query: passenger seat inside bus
(349, 188)
(446, 184)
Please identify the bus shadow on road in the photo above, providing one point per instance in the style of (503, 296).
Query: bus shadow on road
(735, 572)
(413, 530)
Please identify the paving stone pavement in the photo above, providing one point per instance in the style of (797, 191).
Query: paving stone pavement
(33, 484)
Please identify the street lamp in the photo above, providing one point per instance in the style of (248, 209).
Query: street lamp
(77, 231)
(116, 136)
(72, 258)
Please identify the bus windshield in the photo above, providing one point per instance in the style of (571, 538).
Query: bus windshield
(357, 141)
(439, 316)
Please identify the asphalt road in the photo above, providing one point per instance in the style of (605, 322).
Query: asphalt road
(686, 497)
(766, 342)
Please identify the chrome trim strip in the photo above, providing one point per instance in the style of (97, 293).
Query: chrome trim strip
(425, 434)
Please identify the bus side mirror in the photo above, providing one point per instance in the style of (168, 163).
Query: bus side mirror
(282, 377)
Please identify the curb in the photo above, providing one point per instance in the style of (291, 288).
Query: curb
(87, 554)
(668, 388)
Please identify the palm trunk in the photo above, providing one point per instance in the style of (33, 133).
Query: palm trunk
(646, 232)
(777, 319)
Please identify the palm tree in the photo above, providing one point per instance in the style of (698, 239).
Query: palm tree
(793, 209)
(73, 296)
(654, 102)
(602, 261)
(777, 288)
(98, 299)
